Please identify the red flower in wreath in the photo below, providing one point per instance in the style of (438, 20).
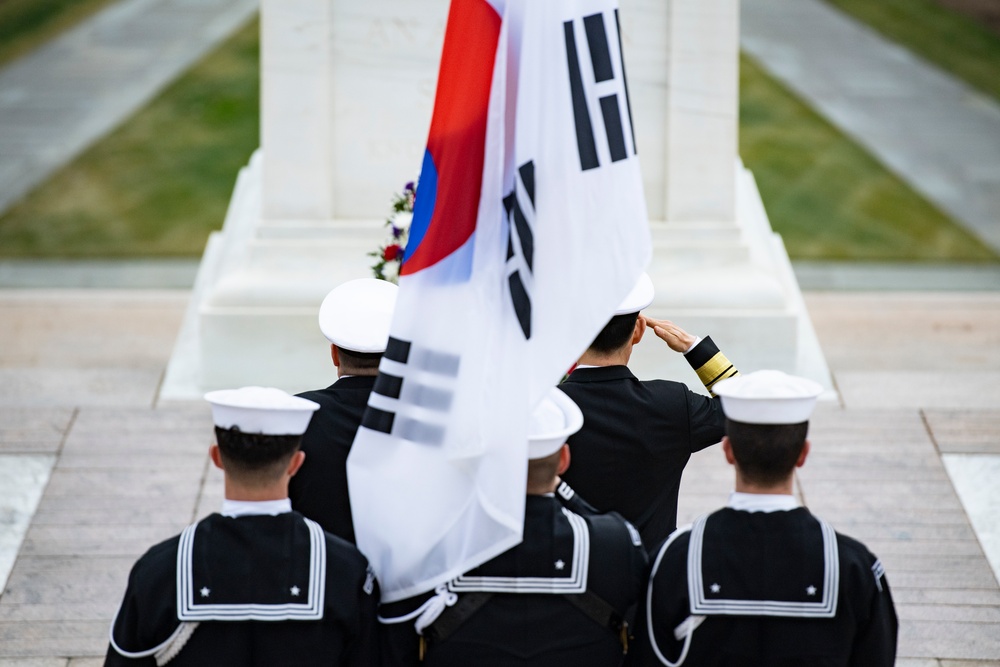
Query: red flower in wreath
(391, 252)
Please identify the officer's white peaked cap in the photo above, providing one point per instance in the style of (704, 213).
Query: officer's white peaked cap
(356, 315)
(261, 410)
(768, 397)
(640, 297)
(555, 419)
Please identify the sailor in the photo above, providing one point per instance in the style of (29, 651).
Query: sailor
(355, 318)
(638, 435)
(257, 584)
(763, 581)
(564, 596)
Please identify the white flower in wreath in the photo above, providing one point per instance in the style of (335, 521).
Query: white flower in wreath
(402, 220)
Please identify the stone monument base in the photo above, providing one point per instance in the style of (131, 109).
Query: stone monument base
(252, 316)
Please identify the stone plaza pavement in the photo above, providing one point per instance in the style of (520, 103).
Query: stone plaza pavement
(918, 372)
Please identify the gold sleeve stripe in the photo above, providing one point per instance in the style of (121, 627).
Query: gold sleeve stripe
(715, 369)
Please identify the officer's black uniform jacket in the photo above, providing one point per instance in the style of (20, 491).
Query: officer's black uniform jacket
(831, 593)
(270, 567)
(319, 489)
(527, 619)
(637, 436)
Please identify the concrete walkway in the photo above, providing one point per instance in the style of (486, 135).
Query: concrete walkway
(111, 274)
(59, 99)
(180, 274)
(918, 374)
(938, 134)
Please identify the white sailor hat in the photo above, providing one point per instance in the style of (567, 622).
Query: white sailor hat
(261, 410)
(555, 419)
(640, 297)
(356, 315)
(768, 397)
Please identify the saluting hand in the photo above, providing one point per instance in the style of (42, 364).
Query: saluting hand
(678, 339)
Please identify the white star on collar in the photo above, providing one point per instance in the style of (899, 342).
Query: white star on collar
(205, 590)
(294, 590)
(715, 588)
(560, 564)
(811, 590)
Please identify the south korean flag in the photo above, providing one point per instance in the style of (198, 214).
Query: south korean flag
(530, 227)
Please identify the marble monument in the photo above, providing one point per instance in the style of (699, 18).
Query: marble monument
(347, 96)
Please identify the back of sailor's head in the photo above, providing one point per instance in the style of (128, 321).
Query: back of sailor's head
(618, 331)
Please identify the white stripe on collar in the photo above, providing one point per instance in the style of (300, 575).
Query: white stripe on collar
(762, 502)
(702, 606)
(576, 582)
(238, 508)
(310, 610)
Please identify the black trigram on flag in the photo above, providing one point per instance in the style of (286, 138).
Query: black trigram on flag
(609, 88)
(413, 393)
(520, 207)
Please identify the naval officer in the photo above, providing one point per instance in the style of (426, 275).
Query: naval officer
(355, 318)
(564, 596)
(637, 436)
(257, 584)
(763, 581)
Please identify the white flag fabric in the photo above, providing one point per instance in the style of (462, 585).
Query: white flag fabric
(529, 228)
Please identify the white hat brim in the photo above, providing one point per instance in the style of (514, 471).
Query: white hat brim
(261, 410)
(639, 298)
(546, 440)
(768, 397)
(356, 315)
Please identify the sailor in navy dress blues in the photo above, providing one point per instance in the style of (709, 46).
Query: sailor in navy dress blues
(763, 581)
(257, 584)
(355, 318)
(639, 435)
(564, 596)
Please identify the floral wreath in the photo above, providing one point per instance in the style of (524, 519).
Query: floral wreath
(389, 256)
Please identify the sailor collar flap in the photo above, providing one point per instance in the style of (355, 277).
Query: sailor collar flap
(288, 582)
(559, 566)
(798, 578)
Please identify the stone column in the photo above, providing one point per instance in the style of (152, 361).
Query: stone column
(347, 90)
(702, 79)
(296, 110)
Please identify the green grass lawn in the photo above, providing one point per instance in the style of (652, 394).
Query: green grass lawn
(158, 185)
(25, 24)
(826, 196)
(954, 42)
(161, 182)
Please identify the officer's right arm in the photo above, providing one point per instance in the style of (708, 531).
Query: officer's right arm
(705, 417)
(703, 354)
